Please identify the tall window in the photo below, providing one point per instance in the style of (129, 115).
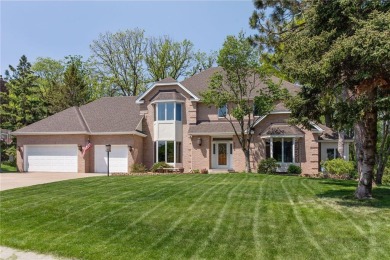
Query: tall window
(277, 149)
(332, 153)
(282, 149)
(166, 151)
(256, 110)
(169, 111)
(222, 111)
(178, 112)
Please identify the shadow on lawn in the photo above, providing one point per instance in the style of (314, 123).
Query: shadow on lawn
(381, 195)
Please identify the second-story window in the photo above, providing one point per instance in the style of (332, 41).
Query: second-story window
(222, 111)
(169, 111)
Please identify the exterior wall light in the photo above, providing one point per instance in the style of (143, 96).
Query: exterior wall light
(199, 141)
(130, 148)
(108, 150)
(80, 147)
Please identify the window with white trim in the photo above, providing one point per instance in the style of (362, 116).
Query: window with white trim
(222, 111)
(168, 111)
(167, 152)
(332, 153)
(282, 149)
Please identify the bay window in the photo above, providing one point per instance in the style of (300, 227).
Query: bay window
(168, 151)
(168, 111)
(281, 149)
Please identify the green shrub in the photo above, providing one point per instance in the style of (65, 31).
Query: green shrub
(267, 166)
(204, 171)
(294, 169)
(9, 163)
(339, 167)
(386, 176)
(159, 165)
(195, 171)
(138, 168)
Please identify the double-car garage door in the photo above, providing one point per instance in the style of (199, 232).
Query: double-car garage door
(63, 158)
(51, 158)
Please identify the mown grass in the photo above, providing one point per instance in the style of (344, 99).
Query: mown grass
(7, 168)
(242, 216)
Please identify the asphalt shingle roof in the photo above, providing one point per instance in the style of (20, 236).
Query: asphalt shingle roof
(200, 82)
(105, 115)
(167, 80)
(213, 127)
(69, 120)
(282, 129)
(169, 96)
(112, 114)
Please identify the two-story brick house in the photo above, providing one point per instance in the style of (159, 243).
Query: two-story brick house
(169, 123)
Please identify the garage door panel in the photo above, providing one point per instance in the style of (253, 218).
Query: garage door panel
(51, 158)
(118, 158)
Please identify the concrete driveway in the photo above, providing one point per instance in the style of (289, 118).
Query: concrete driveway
(16, 180)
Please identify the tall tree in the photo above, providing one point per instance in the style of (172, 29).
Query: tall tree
(167, 58)
(202, 61)
(383, 145)
(76, 91)
(120, 57)
(23, 104)
(50, 74)
(237, 88)
(336, 44)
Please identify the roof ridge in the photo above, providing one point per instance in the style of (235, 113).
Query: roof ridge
(83, 121)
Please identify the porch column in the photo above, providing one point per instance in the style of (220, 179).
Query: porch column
(271, 148)
(293, 150)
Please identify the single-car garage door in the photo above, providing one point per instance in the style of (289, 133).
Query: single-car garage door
(118, 158)
(51, 158)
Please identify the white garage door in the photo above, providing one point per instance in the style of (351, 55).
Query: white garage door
(51, 158)
(118, 158)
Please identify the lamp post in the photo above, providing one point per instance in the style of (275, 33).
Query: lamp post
(108, 150)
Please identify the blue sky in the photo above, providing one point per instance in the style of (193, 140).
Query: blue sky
(59, 28)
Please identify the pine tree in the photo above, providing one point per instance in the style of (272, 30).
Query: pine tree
(23, 103)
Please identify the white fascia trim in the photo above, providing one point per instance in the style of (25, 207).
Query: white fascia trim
(50, 133)
(335, 141)
(212, 134)
(140, 101)
(259, 120)
(166, 101)
(83, 133)
(316, 127)
(139, 126)
(279, 112)
(281, 136)
(271, 113)
(119, 133)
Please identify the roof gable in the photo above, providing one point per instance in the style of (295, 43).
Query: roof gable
(165, 82)
(112, 114)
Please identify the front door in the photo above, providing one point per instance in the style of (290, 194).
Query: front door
(222, 155)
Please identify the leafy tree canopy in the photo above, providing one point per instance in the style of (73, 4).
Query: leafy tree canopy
(331, 47)
(237, 87)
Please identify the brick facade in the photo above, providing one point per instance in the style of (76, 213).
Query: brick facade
(86, 163)
(194, 156)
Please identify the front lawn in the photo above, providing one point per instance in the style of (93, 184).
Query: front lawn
(7, 168)
(242, 216)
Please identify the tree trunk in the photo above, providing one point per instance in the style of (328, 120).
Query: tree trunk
(247, 161)
(340, 145)
(366, 137)
(379, 171)
(384, 152)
